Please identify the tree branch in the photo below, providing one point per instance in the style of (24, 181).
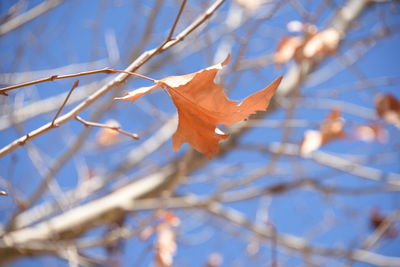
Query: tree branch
(85, 73)
(115, 128)
(28, 16)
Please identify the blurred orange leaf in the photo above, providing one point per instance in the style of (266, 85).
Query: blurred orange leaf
(388, 108)
(202, 105)
(287, 48)
(165, 243)
(313, 43)
(330, 129)
(371, 133)
(323, 43)
(107, 137)
(214, 260)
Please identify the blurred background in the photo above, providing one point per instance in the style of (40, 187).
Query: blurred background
(313, 181)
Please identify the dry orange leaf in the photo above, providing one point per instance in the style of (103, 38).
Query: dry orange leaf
(287, 48)
(388, 108)
(313, 43)
(322, 43)
(330, 129)
(371, 133)
(165, 243)
(202, 105)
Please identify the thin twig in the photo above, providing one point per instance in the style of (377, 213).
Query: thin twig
(171, 33)
(132, 159)
(295, 243)
(115, 128)
(53, 124)
(84, 73)
(48, 105)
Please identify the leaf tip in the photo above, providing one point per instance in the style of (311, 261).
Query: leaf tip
(227, 60)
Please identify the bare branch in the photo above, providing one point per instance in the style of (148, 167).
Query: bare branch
(63, 104)
(28, 16)
(122, 199)
(171, 33)
(85, 73)
(338, 163)
(297, 244)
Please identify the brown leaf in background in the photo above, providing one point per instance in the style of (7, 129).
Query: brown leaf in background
(377, 219)
(388, 108)
(202, 105)
(323, 43)
(165, 246)
(214, 260)
(313, 44)
(107, 137)
(371, 133)
(287, 48)
(330, 129)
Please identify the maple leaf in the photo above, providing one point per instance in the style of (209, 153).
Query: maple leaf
(202, 105)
